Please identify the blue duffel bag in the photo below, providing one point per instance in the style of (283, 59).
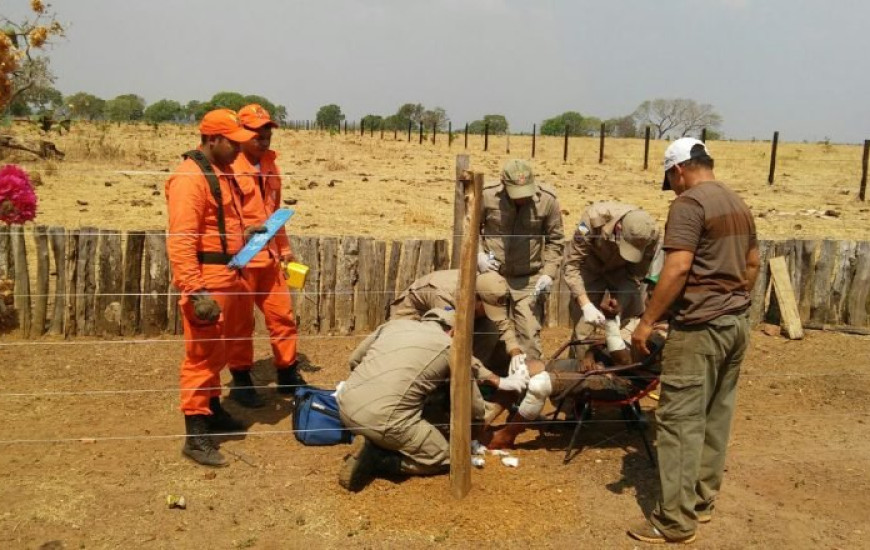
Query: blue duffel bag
(315, 418)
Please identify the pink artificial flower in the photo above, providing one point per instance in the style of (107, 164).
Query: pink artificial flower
(17, 198)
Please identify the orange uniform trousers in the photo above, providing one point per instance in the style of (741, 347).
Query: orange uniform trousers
(270, 293)
(207, 345)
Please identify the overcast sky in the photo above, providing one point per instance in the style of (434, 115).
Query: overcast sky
(798, 66)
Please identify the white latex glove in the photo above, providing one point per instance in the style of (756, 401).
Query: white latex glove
(592, 315)
(516, 382)
(545, 282)
(487, 262)
(518, 365)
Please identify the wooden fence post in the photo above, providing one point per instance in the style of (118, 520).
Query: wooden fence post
(434, 132)
(307, 299)
(646, 148)
(466, 135)
(601, 146)
(460, 356)
(22, 281)
(534, 135)
(704, 135)
(132, 299)
(155, 284)
(449, 133)
(40, 306)
(86, 282)
(865, 160)
(408, 264)
(421, 132)
(565, 152)
(410, 123)
(486, 137)
(57, 237)
(70, 324)
(110, 286)
(346, 278)
(463, 163)
(328, 263)
(773, 158)
(7, 263)
(391, 276)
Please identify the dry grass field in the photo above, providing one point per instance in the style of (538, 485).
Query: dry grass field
(348, 184)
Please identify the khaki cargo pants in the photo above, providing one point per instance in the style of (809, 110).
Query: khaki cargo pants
(700, 368)
(527, 312)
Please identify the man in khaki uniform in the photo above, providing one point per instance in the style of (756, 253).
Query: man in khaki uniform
(613, 247)
(711, 266)
(439, 290)
(522, 240)
(394, 370)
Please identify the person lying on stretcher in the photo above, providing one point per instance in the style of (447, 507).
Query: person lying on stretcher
(569, 378)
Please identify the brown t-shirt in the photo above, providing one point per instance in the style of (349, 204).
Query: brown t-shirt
(714, 223)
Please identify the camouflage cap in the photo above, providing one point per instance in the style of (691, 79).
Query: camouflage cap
(638, 232)
(492, 289)
(447, 317)
(518, 179)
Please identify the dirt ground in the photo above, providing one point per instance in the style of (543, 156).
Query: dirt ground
(113, 176)
(89, 450)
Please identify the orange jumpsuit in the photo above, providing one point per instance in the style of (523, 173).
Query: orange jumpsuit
(193, 229)
(261, 190)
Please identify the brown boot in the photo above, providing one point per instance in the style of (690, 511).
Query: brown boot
(504, 437)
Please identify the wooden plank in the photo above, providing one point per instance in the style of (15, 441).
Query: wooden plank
(328, 265)
(307, 300)
(345, 281)
(7, 264)
(392, 274)
(22, 281)
(110, 284)
(408, 264)
(756, 310)
(460, 355)
(806, 264)
(132, 299)
(822, 281)
(857, 311)
(70, 323)
(43, 266)
(844, 269)
(175, 322)
(425, 258)
(791, 322)
(364, 291)
(57, 237)
(155, 284)
(442, 255)
(375, 313)
(86, 281)
(463, 164)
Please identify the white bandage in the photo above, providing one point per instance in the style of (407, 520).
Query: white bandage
(540, 388)
(613, 336)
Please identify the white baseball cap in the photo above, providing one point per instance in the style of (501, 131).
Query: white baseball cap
(679, 152)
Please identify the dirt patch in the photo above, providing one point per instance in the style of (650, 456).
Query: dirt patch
(797, 470)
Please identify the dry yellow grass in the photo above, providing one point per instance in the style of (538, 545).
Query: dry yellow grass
(394, 189)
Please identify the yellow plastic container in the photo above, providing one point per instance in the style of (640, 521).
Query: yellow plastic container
(296, 274)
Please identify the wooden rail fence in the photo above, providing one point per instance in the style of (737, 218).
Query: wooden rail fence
(105, 283)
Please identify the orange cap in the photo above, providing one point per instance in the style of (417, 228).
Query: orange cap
(254, 117)
(224, 122)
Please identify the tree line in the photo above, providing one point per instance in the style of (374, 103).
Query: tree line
(665, 117)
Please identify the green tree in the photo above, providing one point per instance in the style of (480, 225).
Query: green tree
(85, 105)
(228, 100)
(36, 100)
(621, 127)
(373, 121)
(556, 126)
(409, 112)
(165, 110)
(498, 125)
(125, 107)
(329, 116)
(434, 117)
(677, 117)
(194, 110)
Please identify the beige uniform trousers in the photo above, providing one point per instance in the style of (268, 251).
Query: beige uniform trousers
(700, 369)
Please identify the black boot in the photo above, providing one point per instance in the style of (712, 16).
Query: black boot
(198, 445)
(243, 391)
(288, 379)
(220, 420)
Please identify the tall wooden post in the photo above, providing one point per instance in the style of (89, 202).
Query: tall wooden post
(449, 133)
(704, 135)
(646, 148)
(466, 135)
(460, 355)
(601, 146)
(565, 151)
(40, 305)
(534, 134)
(345, 127)
(773, 158)
(410, 124)
(421, 132)
(486, 137)
(463, 163)
(434, 132)
(22, 280)
(862, 191)
(362, 128)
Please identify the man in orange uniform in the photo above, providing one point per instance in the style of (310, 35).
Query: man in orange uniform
(259, 180)
(205, 230)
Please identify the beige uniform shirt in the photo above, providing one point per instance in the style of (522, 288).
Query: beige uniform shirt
(525, 239)
(594, 252)
(393, 371)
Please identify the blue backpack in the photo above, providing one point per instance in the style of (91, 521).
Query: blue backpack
(315, 418)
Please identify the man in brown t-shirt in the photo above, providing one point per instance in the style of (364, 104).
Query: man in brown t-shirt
(711, 265)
